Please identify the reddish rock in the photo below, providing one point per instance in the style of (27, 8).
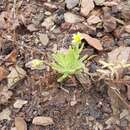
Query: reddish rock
(50, 7)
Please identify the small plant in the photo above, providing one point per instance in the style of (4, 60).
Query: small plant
(69, 62)
(111, 70)
(35, 64)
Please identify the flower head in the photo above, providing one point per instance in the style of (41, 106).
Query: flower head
(77, 38)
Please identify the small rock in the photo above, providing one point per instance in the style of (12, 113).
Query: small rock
(54, 48)
(98, 126)
(32, 28)
(3, 23)
(72, 18)
(19, 103)
(20, 123)
(106, 108)
(13, 128)
(44, 39)
(99, 34)
(73, 103)
(117, 128)
(47, 13)
(78, 27)
(45, 93)
(127, 41)
(5, 114)
(71, 3)
(127, 28)
(93, 20)
(90, 118)
(86, 7)
(43, 121)
(119, 55)
(65, 26)
(5, 95)
(48, 22)
(107, 42)
(16, 74)
(83, 79)
(124, 123)
(59, 17)
(128, 117)
(125, 11)
(50, 7)
(52, 36)
(38, 19)
(56, 31)
(109, 23)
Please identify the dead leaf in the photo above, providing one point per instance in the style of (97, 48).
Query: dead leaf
(86, 7)
(20, 123)
(3, 73)
(5, 114)
(43, 121)
(12, 57)
(15, 75)
(5, 95)
(92, 41)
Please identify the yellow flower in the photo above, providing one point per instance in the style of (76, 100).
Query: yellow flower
(77, 38)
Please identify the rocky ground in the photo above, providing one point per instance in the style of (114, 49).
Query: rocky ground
(31, 98)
